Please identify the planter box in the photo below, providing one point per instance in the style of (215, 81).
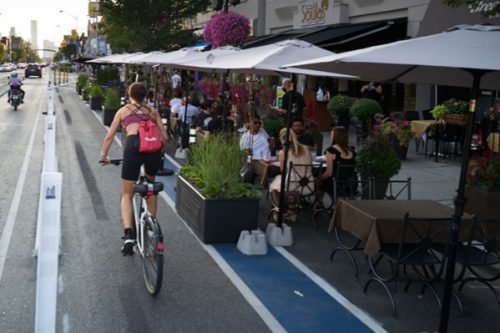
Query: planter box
(107, 116)
(215, 220)
(96, 103)
(483, 203)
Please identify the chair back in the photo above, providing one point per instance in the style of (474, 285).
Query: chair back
(346, 183)
(396, 189)
(301, 179)
(420, 236)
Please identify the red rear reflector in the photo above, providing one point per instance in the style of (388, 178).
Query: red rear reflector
(160, 246)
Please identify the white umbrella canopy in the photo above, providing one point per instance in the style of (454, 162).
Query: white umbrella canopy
(166, 58)
(435, 59)
(266, 59)
(139, 58)
(191, 60)
(113, 58)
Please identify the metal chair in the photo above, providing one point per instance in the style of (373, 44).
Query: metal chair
(300, 184)
(480, 253)
(415, 250)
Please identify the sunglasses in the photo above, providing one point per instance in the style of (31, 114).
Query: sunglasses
(257, 122)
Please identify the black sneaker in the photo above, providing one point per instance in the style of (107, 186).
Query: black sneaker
(128, 243)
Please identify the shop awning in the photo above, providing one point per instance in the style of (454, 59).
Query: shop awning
(340, 37)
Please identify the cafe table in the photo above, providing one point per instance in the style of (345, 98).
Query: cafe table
(379, 221)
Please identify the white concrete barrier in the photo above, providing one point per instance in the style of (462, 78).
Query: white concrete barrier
(48, 234)
(48, 231)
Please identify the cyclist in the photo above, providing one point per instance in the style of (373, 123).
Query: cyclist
(15, 83)
(130, 116)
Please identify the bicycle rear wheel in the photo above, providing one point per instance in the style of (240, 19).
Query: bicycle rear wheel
(152, 258)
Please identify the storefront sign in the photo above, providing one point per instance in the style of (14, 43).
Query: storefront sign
(483, 6)
(313, 12)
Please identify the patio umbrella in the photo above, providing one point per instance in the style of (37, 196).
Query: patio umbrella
(113, 58)
(266, 59)
(465, 56)
(165, 58)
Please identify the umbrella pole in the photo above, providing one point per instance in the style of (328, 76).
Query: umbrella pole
(460, 201)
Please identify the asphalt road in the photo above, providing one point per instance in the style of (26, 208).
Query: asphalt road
(99, 290)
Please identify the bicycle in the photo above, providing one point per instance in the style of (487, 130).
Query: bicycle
(149, 238)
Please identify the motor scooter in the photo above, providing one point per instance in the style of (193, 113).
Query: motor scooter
(15, 97)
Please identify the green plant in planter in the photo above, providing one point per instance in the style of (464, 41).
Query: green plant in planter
(112, 100)
(214, 167)
(378, 159)
(340, 105)
(82, 80)
(96, 91)
(365, 108)
(439, 111)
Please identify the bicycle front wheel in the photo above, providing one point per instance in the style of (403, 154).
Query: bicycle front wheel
(152, 257)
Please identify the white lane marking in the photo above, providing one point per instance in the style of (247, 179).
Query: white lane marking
(65, 323)
(16, 199)
(357, 312)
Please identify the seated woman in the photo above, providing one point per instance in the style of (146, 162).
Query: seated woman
(338, 153)
(298, 154)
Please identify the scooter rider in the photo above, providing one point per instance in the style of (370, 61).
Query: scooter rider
(15, 83)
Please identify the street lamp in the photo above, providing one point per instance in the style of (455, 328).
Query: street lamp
(73, 16)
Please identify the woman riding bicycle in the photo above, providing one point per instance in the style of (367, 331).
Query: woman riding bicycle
(130, 116)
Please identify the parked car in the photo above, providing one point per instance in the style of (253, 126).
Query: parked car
(5, 68)
(21, 65)
(33, 70)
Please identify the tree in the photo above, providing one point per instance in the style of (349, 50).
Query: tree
(138, 25)
(491, 9)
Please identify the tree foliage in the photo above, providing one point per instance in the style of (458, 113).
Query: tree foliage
(148, 25)
(488, 11)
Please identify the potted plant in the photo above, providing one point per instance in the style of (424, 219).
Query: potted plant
(483, 187)
(227, 28)
(456, 112)
(339, 107)
(399, 134)
(210, 195)
(81, 82)
(364, 109)
(96, 94)
(110, 106)
(438, 112)
(378, 160)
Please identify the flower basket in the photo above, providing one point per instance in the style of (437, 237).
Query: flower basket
(455, 119)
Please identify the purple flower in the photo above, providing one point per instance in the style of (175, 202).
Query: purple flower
(227, 28)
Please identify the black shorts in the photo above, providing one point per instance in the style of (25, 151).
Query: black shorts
(132, 160)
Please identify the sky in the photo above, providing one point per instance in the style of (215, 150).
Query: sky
(52, 24)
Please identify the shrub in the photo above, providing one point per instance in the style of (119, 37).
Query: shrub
(340, 105)
(96, 91)
(378, 159)
(112, 99)
(82, 80)
(365, 108)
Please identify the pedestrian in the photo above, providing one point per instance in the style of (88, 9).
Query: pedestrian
(130, 116)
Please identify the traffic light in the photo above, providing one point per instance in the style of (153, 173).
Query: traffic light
(217, 4)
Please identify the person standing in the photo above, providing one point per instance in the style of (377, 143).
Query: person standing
(372, 90)
(292, 100)
(130, 116)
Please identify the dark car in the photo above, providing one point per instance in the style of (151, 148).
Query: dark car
(33, 70)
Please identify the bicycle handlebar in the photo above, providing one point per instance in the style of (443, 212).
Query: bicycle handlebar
(112, 161)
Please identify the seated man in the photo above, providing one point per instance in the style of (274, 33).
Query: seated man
(304, 137)
(256, 140)
(15, 83)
